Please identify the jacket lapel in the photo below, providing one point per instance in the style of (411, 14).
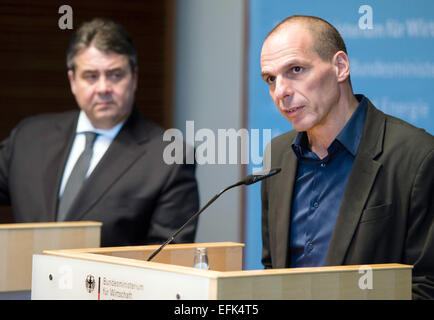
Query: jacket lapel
(359, 185)
(282, 198)
(57, 151)
(123, 152)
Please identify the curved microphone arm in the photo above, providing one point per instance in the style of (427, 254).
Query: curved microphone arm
(192, 219)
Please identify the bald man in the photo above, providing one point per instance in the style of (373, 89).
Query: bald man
(357, 185)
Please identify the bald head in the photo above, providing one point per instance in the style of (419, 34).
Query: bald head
(326, 40)
(307, 70)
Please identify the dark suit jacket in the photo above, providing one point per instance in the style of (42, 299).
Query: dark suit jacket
(138, 198)
(387, 211)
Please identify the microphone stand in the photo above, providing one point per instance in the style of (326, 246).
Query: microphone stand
(192, 218)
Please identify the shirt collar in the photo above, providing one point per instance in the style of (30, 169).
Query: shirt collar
(84, 125)
(349, 136)
(300, 144)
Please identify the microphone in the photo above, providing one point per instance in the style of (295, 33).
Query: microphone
(250, 179)
(255, 177)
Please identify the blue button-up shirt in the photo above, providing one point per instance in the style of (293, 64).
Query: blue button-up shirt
(319, 188)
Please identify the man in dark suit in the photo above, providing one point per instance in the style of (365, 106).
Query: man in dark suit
(357, 186)
(103, 162)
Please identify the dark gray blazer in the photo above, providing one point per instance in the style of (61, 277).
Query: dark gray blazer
(387, 211)
(138, 198)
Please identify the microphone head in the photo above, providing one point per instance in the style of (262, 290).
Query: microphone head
(253, 178)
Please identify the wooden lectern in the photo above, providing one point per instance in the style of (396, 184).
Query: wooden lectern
(124, 273)
(19, 241)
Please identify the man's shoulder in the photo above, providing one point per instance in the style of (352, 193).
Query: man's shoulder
(44, 119)
(403, 144)
(407, 135)
(142, 127)
(403, 126)
(44, 123)
(399, 135)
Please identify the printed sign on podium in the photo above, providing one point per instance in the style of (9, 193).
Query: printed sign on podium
(124, 273)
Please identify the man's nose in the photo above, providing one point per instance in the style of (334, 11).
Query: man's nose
(283, 88)
(103, 85)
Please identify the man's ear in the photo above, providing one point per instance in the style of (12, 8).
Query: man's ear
(342, 66)
(71, 78)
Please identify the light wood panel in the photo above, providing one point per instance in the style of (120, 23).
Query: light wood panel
(223, 256)
(18, 243)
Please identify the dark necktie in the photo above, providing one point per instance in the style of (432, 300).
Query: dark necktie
(76, 178)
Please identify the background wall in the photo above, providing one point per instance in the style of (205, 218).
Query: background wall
(209, 90)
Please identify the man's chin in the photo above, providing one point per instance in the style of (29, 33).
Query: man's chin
(109, 119)
(105, 120)
(301, 126)
(103, 109)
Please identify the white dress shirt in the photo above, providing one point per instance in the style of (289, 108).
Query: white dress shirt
(102, 143)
